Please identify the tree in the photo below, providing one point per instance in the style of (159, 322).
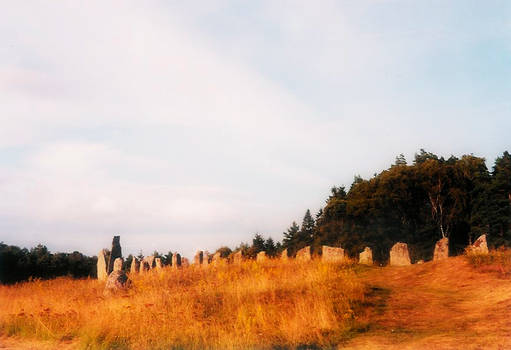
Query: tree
(291, 235)
(400, 160)
(269, 247)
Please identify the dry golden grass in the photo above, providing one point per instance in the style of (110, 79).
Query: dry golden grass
(271, 305)
(495, 261)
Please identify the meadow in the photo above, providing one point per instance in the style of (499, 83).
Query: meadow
(273, 305)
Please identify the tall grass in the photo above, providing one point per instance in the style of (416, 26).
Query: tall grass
(251, 305)
(498, 260)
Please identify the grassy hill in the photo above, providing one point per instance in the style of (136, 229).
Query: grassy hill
(458, 303)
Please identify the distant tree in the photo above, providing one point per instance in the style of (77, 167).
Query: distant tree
(291, 235)
(224, 251)
(269, 247)
(400, 160)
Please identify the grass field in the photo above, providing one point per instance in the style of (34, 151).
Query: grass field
(251, 305)
(458, 303)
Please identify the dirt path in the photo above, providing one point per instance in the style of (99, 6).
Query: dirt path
(442, 305)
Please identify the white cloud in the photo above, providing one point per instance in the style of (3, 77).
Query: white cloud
(147, 119)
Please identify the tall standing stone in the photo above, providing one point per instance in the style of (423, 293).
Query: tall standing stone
(102, 268)
(199, 256)
(158, 263)
(185, 262)
(134, 266)
(366, 257)
(118, 264)
(176, 260)
(480, 246)
(399, 255)
(261, 257)
(332, 254)
(441, 249)
(114, 253)
(304, 254)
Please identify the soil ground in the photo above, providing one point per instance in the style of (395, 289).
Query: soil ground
(436, 305)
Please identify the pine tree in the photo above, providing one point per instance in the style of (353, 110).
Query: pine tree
(291, 235)
(307, 231)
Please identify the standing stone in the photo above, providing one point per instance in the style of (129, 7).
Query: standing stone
(237, 257)
(261, 257)
(206, 258)
(176, 260)
(399, 255)
(159, 265)
(441, 249)
(150, 261)
(480, 246)
(332, 254)
(114, 253)
(144, 266)
(284, 256)
(217, 258)
(199, 256)
(366, 257)
(185, 262)
(102, 268)
(117, 281)
(134, 266)
(118, 264)
(304, 254)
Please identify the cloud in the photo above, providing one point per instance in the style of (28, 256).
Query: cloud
(181, 125)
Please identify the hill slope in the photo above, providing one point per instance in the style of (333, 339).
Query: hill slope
(436, 305)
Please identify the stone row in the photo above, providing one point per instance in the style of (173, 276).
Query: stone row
(399, 256)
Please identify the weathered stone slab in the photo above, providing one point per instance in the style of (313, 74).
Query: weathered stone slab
(134, 266)
(304, 254)
(217, 258)
(158, 263)
(206, 259)
(115, 252)
(237, 258)
(261, 257)
(399, 255)
(176, 260)
(150, 261)
(118, 264)
(198, 258)
(101, 265)
(284, 256)
(117, 281)
(480, 246)
(366, 257)
(332, 254)
(441, 249)
(144, 266)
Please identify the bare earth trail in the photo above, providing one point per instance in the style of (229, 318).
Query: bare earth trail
(436, 305)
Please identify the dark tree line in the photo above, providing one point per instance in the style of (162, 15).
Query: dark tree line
(18, 264)
(418, 204)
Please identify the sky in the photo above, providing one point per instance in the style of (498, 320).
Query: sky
(187, 125)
